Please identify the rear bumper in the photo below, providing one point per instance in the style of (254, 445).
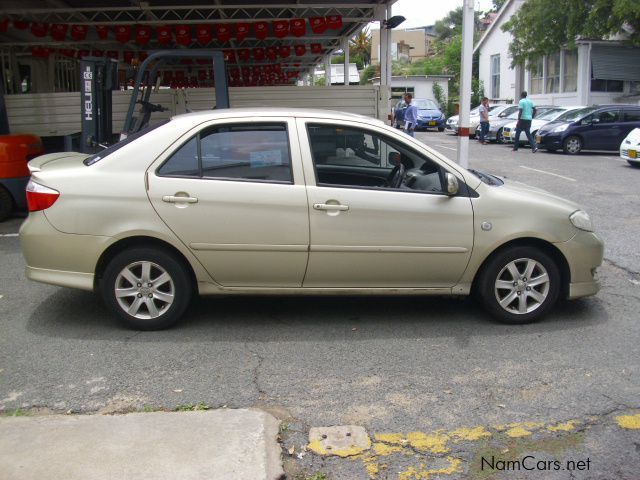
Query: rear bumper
(58, 258)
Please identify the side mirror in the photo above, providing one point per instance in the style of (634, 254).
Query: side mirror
(452, 184)
(394, 158)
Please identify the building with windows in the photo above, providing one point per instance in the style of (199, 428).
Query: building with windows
(411, 44)
(595, 72)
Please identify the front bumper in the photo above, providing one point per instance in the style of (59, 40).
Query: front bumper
(552, 141)
(630, 154)
(430, 123)
(584, 253)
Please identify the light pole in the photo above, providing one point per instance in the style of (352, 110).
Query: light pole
(465, 82)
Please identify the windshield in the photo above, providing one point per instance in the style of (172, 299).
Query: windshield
(551, 114)
(513, 116)
(117, 146)
(573, 115)
(508, 111)
(425, 104)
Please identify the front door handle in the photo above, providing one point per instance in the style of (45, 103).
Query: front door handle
(330, 207)
(178, 199)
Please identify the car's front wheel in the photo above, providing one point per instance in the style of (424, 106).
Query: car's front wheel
(441, 129)
(519, 284)
(572, 145)
(148, 288)
(500, 136)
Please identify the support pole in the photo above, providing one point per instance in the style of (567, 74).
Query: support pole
(327, 71)
(389, 45)
(345, 51)
(465, 83)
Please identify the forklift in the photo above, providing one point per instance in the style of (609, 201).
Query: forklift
(99, 77)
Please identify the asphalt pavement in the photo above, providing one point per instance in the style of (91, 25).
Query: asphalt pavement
(435, 382)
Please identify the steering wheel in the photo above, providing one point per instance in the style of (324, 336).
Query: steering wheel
(394, 180)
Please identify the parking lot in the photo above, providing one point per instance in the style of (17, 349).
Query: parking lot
(437, 384)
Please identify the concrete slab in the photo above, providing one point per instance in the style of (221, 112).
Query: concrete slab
(340, 440)
(211, 445)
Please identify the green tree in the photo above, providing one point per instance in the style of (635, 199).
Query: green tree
(543, 27)
(497, 4)
(360, 47)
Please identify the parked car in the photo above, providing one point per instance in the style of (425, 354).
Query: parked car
(600, 127)
(543, 116)
(429, 114)
(15, 151)
(497, 124)
(495, 111)
(287, 201)
(630, 147)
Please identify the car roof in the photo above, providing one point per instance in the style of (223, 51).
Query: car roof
(274, 112)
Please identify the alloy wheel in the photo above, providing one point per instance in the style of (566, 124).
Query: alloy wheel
(144, 290)
(522, 286)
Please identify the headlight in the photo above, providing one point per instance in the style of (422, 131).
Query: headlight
(560, 128)
(581, 220)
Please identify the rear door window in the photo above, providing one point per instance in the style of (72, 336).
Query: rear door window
(249, 152)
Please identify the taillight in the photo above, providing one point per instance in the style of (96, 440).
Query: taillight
(40, 197)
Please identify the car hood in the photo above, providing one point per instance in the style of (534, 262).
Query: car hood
(429, 112)
(538, 194)
(633, 138)
(546, 128)
(499, 122)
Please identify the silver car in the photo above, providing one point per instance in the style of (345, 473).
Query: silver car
(281, 201)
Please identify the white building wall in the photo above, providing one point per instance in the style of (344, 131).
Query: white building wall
(498, 43)
(422, 86)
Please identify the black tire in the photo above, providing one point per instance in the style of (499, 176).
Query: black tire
(6, 204)
(572, 145)
(499, 137)
(441, 129)
(634, 164)
(496, 269)
(161, 261)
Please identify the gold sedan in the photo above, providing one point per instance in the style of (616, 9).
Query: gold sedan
(274, 201)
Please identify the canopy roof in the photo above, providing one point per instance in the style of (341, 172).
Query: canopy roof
(29, 24)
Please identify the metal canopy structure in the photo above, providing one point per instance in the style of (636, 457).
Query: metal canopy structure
(19, 18)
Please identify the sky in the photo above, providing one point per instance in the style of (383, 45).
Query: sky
(425, 12)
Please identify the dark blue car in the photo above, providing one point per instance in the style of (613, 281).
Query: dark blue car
(601, 127)
(429, 115)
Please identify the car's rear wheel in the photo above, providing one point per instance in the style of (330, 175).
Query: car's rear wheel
(148, 288)
(519, 284)
(572, 145)
(6, 204)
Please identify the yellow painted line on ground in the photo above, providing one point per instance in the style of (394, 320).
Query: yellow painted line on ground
(630, 422)
(429, 453)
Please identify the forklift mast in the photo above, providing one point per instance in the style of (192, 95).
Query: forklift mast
(98, 78)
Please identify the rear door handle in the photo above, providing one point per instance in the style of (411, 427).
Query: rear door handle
(331, 207)
(175, 199)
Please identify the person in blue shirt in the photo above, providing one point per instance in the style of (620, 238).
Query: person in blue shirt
(410, 115)
(526, 112)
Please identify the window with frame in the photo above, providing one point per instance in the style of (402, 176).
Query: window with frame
(359, 158)
(249, 152)
(495, 76)
(598, 85)
(632, 115)
(536, 78)
(570, 71)
(553, 73)
(606, 116)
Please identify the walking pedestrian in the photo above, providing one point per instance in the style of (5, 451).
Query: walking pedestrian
(410, 115)
(526, 112)
(484, 119)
